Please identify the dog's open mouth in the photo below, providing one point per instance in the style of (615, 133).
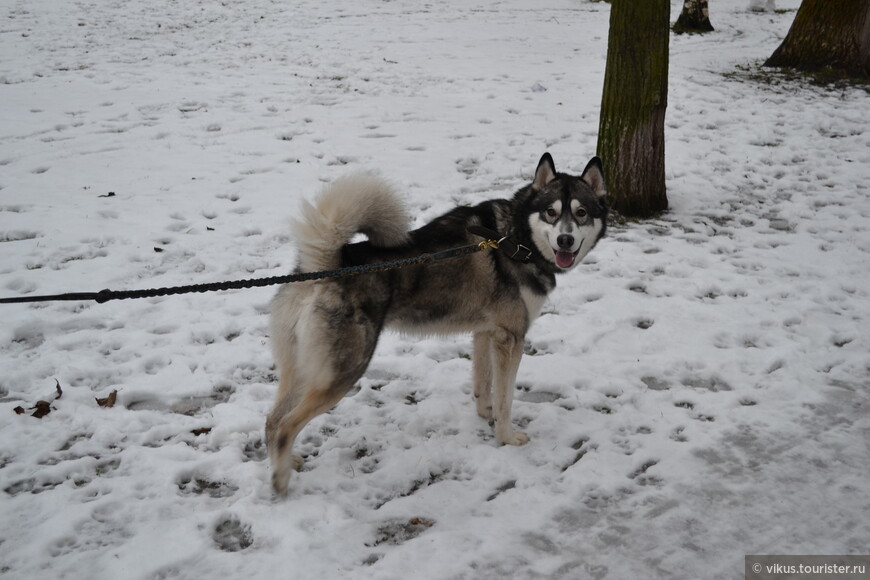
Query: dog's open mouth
(565, 259)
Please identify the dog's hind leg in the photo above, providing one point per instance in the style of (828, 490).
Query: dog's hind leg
(482, 365)
(314, 402)
(286, 400)
(333, 348)
(507, 352)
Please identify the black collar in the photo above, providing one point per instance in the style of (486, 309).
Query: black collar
(510, 248)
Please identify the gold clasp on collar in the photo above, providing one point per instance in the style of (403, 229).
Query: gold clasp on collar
(488, 245)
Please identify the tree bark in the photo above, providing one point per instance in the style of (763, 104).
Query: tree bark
(828, 35)
(631, 139)
(694, 18)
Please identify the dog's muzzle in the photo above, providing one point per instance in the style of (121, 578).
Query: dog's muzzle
(565, 254)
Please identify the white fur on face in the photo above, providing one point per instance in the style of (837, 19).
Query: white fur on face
(545, 236)
(590, 235)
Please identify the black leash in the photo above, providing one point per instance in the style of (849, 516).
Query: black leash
(491, 241)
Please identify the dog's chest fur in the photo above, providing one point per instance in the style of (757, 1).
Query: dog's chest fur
(533, 301)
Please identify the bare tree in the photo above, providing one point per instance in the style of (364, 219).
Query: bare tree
(694, 18)
(631, 135)
(826, 35)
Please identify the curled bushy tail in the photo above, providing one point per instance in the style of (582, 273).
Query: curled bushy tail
(360, 203)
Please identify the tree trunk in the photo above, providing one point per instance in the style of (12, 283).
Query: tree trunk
(695, 18)
(631, 133)
(828, 35)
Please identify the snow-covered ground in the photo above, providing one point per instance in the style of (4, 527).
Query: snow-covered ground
(697, 390)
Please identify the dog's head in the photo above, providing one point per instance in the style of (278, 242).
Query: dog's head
(567, 214)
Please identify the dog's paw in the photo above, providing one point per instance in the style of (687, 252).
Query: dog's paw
(280, 483)
(484, 410)
(515, 438)
(281, 474)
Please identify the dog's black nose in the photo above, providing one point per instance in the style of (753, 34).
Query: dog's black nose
(565, 241)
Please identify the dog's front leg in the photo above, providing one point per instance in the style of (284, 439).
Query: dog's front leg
(482, 365)
(507, 351)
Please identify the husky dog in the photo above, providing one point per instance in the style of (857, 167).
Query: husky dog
(324, 332)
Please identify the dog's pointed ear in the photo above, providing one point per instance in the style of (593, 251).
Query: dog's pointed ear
(545, 173)
(593, 175)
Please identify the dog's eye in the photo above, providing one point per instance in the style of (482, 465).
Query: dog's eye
(581, 213)
(551, 213)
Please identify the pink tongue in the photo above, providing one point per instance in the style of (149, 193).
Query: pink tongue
(564, 259)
